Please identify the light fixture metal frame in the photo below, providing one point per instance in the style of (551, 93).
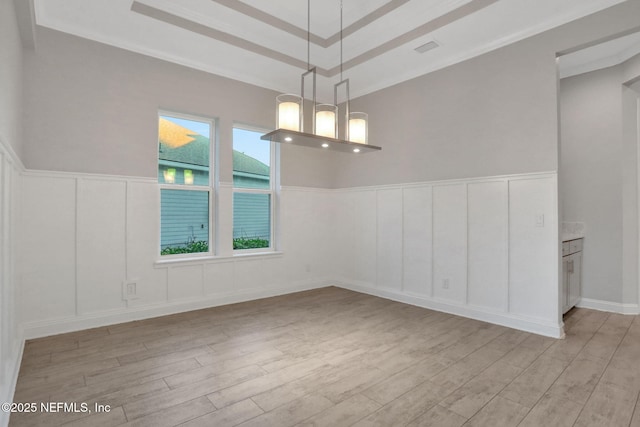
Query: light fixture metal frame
(306, 139)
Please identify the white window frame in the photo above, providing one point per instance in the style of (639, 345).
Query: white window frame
(211, 188)
(273, 191)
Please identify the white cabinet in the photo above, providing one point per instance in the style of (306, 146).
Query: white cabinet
(572, 273)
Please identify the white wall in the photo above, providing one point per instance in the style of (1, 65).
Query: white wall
(10, 331)
(598, 181)
(480, 235)
(10, 78)
(82, 235)
(591, 175)
(10, 168)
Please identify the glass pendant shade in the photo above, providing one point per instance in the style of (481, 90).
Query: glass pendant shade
(326, 120)
(289, 112)
(358, 127)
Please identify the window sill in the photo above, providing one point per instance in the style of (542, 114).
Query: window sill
(211, 259)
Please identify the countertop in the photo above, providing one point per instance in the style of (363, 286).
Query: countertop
(573, 230)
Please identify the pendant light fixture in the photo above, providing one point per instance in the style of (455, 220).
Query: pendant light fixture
(325, 121)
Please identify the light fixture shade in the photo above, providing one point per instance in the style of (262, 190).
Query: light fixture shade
(188, 177)
(170, 176)
(326, 124)
(358, 127)
(289, 112)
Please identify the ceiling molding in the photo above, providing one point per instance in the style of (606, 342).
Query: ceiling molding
(294, 30)
(206, 31)
(264, 44)
(424, 29)
(598, 64)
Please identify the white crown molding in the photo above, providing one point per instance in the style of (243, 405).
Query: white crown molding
(249, 78)
(481, 50)
(600, 63)
(283, 68)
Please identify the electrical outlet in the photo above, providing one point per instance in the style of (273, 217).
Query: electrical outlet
(445, 284)
(129, 290)
(539, 220)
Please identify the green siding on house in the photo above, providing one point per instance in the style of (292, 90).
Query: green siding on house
(184, 217)
(252, 216)
(245, 181)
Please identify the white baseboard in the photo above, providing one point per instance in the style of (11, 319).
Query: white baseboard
(95, 320)
(12, 370)
(509, 320)
(612, 307)
(75, 323)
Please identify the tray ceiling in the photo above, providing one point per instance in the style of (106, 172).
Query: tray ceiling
(265, 42)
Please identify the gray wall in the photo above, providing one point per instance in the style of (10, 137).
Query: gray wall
(491, 115)
(93, 108)
(10, 78)
(591, 175)
(630, 193)
(473, 119)
(598, 179)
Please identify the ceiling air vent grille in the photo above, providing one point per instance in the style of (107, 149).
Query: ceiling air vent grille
(427, 47)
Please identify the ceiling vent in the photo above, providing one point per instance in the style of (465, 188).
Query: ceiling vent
(427, 47)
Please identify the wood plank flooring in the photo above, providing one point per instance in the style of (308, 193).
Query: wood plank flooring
(332, 357)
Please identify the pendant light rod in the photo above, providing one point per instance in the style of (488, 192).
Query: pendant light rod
(312, 71)
(309, 35)
(341, 40)
(324, 118)
(340, 83)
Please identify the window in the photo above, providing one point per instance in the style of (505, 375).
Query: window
(253, 195)
(184, 159)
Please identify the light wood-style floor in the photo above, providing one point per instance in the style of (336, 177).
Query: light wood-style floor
(332, 357)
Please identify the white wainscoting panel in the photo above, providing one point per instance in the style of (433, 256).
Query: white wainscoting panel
(488, 244)
(389, 238)
(417, 240)
(533, 248)
(364, 248)
(304, 235)
(11, 335)
(397, 241)
(101, 214)
(143, 237)
(484, 236)
(100, 231)
(450, 242)
(186, 282)
(48, 247)
(217, 277)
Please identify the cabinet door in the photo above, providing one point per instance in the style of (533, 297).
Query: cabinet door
(575, 278)
(564, 292)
